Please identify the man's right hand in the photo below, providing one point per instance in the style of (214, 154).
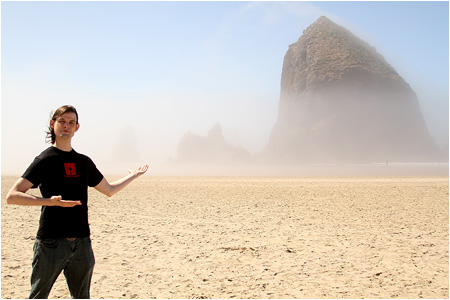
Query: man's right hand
(58, 201)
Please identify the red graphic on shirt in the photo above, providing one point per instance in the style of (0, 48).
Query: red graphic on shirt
(70, 170)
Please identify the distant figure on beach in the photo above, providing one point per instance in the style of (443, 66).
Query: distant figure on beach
(63, 238)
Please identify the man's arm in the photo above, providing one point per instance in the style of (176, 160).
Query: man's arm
(110, 189)
(18, 195)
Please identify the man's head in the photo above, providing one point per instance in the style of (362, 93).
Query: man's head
(64, 122)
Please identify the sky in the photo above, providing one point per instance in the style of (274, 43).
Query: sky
(142, 74)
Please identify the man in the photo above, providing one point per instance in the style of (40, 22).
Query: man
(63, 238)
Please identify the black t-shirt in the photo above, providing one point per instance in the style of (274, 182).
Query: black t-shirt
(68, 174)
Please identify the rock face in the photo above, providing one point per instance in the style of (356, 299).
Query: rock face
(341, 102)
(212, 149)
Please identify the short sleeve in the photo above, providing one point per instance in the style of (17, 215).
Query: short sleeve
(94, 176)
(34, 173)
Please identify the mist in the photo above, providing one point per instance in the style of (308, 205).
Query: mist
(138, 92)
(121, 135)
(126, 135)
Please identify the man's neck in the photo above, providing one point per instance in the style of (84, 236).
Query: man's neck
(64, 146)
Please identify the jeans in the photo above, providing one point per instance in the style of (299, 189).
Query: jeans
(51, 256)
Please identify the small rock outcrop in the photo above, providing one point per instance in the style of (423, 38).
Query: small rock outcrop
(212, 149)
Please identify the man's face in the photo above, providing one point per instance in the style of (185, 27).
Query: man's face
(65, 125)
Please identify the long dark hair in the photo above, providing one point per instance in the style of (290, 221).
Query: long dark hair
(60, 111)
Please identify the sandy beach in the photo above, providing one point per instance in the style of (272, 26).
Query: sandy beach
(253, 237)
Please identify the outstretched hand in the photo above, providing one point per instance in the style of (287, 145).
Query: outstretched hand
(111, 189)
(139, 171)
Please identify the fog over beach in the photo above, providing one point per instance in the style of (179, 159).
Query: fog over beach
(138, 91)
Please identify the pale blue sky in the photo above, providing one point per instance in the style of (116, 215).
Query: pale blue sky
(144, 73)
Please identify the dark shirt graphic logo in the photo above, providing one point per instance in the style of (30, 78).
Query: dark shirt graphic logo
(70, 170)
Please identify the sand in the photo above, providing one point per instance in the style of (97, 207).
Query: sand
(226, 237)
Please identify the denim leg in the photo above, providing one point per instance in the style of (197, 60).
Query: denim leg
(79, 269)
(49, 259)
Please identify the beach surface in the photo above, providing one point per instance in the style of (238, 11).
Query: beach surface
(253, 237)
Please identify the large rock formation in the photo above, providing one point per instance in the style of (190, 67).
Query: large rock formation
(210, 150)
(341, 102)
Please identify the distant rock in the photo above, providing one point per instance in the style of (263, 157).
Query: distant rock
(126, 149)
(341, 102)
(212, 149)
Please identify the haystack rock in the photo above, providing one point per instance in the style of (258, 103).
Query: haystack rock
(212, 149)
(341, 102)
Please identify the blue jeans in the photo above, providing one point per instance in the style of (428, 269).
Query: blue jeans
(51, 256)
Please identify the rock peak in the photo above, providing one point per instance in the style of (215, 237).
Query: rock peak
(323, 19)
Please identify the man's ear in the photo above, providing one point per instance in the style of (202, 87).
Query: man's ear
(52, 124)
(78, 127)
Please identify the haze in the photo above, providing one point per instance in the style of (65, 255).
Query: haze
(142, 74)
